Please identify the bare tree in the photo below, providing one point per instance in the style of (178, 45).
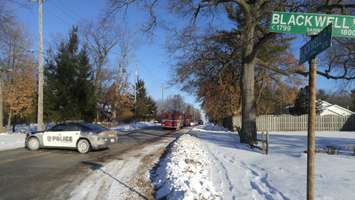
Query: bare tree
(117, 96)
(339, 61)
(15, 62)
(172, 104)
(250, 30)
(101, 37)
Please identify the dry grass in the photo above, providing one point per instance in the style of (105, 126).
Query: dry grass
(142, 181)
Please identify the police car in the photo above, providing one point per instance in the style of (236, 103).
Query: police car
(81, 136)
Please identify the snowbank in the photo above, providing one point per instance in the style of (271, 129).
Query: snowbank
(11, 141)
(25, 128)
(134, 126)
(237, 172)
(184, 173)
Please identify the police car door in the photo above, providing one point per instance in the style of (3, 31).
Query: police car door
(61, 136)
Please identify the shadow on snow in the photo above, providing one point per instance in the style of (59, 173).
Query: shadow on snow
(98, 167)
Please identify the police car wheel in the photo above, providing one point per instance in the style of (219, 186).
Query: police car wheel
(33, 144)
(83, 146)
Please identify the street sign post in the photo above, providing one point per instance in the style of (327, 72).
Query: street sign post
(310, 24)
(305, 23)
(316, 45)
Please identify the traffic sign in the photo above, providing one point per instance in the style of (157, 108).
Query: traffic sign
(316, 45)
(306, 23)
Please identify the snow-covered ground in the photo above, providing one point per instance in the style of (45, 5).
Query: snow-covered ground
(116, 179)
(134, 126)
(125, 177)
(212, 162)
(11, 141)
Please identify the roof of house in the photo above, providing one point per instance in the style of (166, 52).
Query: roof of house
(328, 108)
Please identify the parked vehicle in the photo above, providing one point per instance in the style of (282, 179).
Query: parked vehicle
(187, 120)
(172, 120)
(193, 123)
(175, 120)
(81, 136)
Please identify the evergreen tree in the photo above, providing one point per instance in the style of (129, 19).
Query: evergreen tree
(69, 83)
(145, 107)
(152, 108)
(301, 103)
(322, 95)
(84, 88)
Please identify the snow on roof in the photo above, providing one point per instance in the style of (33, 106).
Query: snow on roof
(328, 108)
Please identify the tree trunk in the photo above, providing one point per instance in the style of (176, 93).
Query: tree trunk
(248, 132)
(14, 125)
(98, 85)
(9, 120)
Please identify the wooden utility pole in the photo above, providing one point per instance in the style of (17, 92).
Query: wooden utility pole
(40, 125)
(135, 93)
(311, 129)
(162, 93)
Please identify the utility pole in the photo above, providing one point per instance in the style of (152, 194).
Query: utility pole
(40, 125)
(135, 93)
(135, 85)
(162, 93)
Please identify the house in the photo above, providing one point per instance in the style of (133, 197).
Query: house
(327, 108)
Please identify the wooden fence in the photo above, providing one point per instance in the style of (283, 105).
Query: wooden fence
(299, 123)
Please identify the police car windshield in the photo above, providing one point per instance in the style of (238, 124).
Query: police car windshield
(95, 128)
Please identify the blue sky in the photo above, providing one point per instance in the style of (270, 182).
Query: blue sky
(150, 56)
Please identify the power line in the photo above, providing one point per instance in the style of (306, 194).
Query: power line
(69, 10)
(65, 22)
(65, 12)
(20, 3)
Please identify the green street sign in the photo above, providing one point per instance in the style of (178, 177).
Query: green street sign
(316, 45)
(310, 23)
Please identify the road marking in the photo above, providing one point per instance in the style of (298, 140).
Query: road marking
(23, 157)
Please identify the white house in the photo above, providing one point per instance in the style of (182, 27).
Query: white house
(333, 109)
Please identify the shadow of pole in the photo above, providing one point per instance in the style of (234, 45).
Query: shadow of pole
(96, 166)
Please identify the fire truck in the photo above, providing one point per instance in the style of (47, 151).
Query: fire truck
(187, 119)
(174, 120)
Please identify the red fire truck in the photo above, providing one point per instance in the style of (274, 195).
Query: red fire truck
(187, 119)
(174, 120)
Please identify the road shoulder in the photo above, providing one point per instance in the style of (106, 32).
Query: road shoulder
(123, 177)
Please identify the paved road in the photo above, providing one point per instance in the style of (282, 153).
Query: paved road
(36, 175)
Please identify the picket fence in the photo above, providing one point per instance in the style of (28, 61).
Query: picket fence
(299, 123)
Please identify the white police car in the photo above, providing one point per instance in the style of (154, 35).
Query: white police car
(81, 136)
